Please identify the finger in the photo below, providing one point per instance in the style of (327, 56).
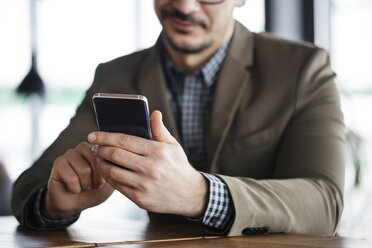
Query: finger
(159, 131)
(81, 168)
(63, 172)
(126, 190)
(98, 179)
(116, 176)
(122, 157)
(85, 149)
(127, 142)
(129, 192)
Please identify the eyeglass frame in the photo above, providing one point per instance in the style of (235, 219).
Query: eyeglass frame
(210, 1)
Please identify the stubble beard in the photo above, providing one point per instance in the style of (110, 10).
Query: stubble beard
(173, 13)
(187, 50)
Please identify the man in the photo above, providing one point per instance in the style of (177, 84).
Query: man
(248, 137)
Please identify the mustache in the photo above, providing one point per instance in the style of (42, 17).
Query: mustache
(177, 14)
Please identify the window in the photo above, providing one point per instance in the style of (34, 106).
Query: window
(351, 55)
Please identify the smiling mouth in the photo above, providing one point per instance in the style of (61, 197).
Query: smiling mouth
(182, 23)
(182, 26)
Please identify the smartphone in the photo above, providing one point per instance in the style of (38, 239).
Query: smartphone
(122, 113)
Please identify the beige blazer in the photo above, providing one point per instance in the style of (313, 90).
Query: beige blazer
(276, 135)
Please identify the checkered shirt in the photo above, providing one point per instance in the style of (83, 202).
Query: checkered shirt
(191, 96)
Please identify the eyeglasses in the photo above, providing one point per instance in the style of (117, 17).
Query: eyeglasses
(210, 1)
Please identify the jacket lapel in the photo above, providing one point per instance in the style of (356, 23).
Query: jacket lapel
(232, 84)
(152, 84)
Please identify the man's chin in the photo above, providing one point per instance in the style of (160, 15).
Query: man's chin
(188, 48)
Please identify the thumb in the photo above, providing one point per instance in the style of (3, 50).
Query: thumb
(158, 130)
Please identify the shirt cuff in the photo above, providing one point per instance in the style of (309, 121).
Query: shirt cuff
(44, 222)
(220, 209)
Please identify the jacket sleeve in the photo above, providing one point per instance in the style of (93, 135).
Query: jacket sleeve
(306, 192)
(33, 179)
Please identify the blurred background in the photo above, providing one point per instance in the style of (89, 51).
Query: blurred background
(69, 38)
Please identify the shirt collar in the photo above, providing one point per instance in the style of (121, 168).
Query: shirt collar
(210, 69)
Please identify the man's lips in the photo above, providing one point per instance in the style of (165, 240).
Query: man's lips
(183, 26)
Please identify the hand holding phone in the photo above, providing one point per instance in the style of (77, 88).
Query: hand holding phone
(159, 177)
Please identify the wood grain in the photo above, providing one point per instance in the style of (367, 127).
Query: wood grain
(272, 240)
(125, 233)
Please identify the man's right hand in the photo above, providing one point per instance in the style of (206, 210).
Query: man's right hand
(75, 183)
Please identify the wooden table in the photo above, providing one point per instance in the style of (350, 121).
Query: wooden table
(124, 233)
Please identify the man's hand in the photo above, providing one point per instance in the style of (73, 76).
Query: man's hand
(75, 183)
(156, 175)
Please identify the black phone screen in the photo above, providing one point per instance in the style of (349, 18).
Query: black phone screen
(122, 115)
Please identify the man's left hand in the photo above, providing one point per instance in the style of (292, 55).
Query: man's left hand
(156, 174)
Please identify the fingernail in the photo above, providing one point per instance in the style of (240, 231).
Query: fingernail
(92, 137)
(95, 149)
